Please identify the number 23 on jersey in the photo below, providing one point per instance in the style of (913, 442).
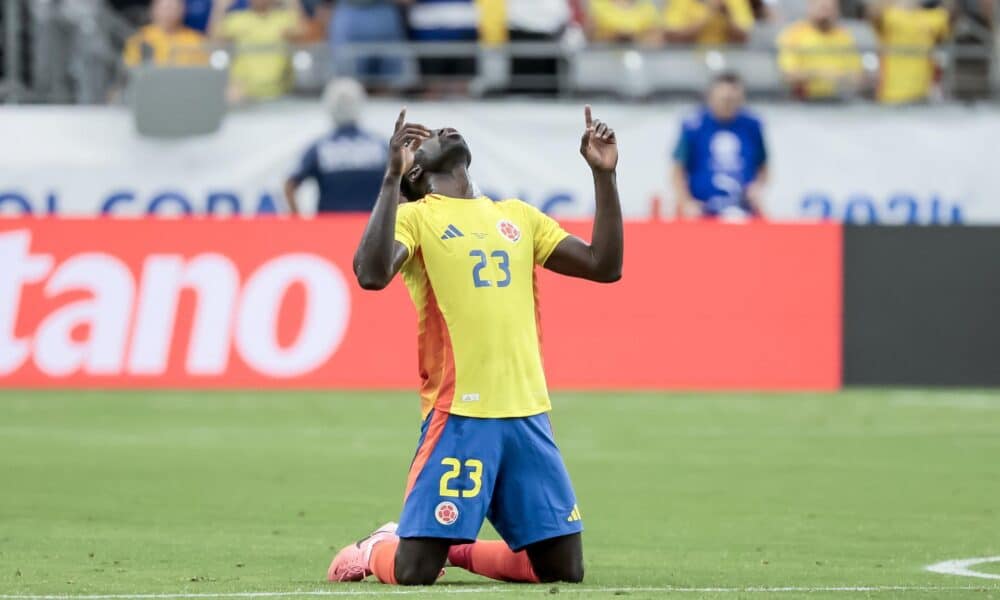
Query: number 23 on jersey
(499, 260)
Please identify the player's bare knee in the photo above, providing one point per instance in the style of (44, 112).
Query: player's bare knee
(416, 574)
(571, 572)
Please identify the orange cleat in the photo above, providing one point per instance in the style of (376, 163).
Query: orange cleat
(351, 563)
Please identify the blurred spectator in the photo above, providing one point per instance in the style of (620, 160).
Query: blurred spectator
(818, 56)
(368, 21)
(907, 32)
(261, 69)
(708, 22)
(975, 43)
(764, 11)
(624, 21)
(70, 46)
(135, 12)
(198, 12)
(445, 21)
(348, 163)
(318, 14)
(166, 41)
(540, 21)
(720, 161)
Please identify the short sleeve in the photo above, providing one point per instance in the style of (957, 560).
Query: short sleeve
(677, 14)
(762, 144)
(942, 27)
(599, 13)
(851, 56)
(741, 13)
(232, 25)
(889, 18)
(408, 227)
(682, 149)
(546, 233)
(132, 56)
(308, 166)
(492, 22)
(788, 56)
(289, 19)
(649, 17)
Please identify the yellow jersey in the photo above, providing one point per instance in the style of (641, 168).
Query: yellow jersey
(182, 48)
(684, 13)
(612, 20)
(493, 22)
(471, 275)
(824, 55)
(907, 37)
(261, 66)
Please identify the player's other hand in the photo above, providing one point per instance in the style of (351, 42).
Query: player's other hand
(403, 145)
(598, 145)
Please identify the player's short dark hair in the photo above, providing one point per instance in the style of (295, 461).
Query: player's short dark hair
(730, 77)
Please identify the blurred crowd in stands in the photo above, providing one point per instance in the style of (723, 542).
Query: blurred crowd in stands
(825, 49)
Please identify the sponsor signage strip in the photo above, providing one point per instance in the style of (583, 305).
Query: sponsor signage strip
(272, 303)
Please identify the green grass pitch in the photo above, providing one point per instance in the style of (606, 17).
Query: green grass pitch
(683, 495)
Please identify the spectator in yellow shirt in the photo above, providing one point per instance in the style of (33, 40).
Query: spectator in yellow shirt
(166, 41)
(708, 22)
(261, 69)
(908, 33)
(624, 21)
(819, 57)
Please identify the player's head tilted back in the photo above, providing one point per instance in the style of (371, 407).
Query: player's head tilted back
(444, 151)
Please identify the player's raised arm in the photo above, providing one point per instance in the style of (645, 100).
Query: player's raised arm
(601, 259)
(379, 256)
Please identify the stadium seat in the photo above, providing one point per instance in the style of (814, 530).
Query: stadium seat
(609, 70)
(311, 67)
(679, 70)
(864, 35)
(793, 10)
(494, 72)
(758, 68)
(636, 74)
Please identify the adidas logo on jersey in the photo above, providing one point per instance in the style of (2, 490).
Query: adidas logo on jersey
(575, 515)
(452, 232)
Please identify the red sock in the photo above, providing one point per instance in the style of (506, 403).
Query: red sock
(493, 559)
(383, 561)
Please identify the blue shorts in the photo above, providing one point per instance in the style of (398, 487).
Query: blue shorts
(506, 470)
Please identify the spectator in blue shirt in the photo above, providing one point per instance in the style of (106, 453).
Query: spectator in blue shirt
(197, 13)
(347, 164)
(446, 21)
(369, 21)
(720, 161)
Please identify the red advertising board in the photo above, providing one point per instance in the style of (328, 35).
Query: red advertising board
(272, 303)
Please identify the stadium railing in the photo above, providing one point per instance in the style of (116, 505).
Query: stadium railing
(585, 68)
(580, 67)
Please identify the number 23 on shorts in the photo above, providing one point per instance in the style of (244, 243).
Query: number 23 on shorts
(475, 474)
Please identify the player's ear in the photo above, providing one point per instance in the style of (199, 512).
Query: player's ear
(414, 175)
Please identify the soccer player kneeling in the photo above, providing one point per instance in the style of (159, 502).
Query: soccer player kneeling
(486, 450)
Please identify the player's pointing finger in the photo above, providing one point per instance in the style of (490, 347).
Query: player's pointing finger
(416, 131)
(400, 120)
(586, 115)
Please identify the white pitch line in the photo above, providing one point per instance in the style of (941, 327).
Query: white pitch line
(962, 566)
(539, 589)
